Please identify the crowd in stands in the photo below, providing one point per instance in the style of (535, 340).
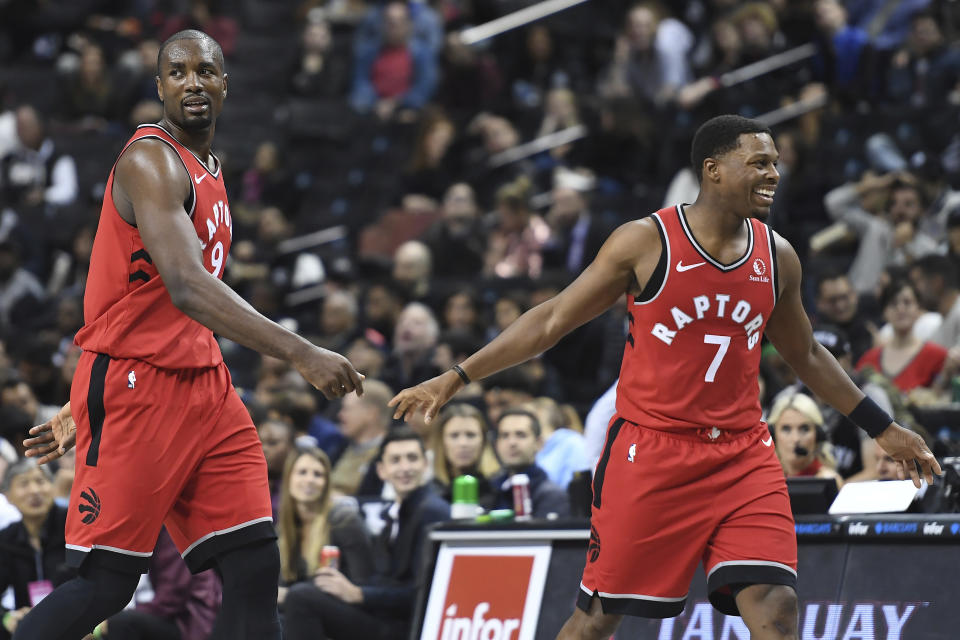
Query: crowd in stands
(387, 205)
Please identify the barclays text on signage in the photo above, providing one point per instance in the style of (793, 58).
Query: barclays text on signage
(818, 621)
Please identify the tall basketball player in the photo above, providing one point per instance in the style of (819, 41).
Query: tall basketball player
(162, 437)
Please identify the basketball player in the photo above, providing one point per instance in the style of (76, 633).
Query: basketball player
(162, 437)
(688, 471)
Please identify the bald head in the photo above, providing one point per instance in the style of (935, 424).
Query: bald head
(191, 34)
(412, 262)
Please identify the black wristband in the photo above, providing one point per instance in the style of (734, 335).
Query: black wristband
(460, 372)
(870, 417)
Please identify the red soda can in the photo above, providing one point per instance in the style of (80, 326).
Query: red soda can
(330, 557)
(522, 504)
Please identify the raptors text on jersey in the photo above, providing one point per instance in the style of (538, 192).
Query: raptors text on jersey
(692, 356)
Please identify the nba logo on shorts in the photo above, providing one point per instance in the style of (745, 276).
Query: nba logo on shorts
(632, 452)
(131, 380)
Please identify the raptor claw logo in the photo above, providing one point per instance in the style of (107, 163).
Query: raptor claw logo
(593, 550)
(92, 508)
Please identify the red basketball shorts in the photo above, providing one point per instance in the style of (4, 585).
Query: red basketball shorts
(162, 447)
(665, 501)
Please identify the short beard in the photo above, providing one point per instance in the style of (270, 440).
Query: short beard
(197, 124)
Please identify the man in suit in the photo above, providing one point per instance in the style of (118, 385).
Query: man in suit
(576, 233)
(519, 439)
(335, 608)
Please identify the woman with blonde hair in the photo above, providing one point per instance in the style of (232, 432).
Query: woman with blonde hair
(796, 425)
(460, 446)
(309, 520)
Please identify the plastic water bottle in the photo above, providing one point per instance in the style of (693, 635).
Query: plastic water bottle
(465, 492)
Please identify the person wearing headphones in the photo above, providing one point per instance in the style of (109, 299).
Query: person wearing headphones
(796, 425)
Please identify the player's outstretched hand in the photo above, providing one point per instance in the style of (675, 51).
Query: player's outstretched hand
(53, 438)
(329, 372)
(427, 396)
(907, 447)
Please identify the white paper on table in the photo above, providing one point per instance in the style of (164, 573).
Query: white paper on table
(876, 496)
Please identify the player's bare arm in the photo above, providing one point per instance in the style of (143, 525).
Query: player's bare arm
(149, 190)
(790, 332)
(627, 258)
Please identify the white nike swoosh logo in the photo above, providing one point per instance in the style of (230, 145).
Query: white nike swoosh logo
(768, 441)
(682, 267)
(198, 179)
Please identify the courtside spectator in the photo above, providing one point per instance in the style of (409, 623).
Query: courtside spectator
(337, 608)
(460, 446)
(310, 519)
(32, 552)
(519, 439)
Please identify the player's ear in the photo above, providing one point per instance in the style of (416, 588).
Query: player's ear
(224, 85)
(711, 169)
(159, 88)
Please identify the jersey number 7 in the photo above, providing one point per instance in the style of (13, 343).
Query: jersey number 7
(724, 343)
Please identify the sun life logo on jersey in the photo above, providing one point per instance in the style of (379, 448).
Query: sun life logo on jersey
(760, 268)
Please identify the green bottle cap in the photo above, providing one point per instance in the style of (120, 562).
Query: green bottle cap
(501, 515)
(465, 490)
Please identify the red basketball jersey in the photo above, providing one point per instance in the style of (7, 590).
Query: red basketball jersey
(693, 353)
(128, 312)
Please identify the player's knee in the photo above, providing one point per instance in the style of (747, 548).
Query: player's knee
(595, 624)
(777, 609)
(601, 627)
(113, 588)
(252, 567)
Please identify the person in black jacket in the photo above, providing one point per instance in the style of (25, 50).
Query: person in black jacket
(334, 607)
(32, 551)
(519, 439)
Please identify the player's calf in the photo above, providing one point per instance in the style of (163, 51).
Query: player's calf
(770, 611)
